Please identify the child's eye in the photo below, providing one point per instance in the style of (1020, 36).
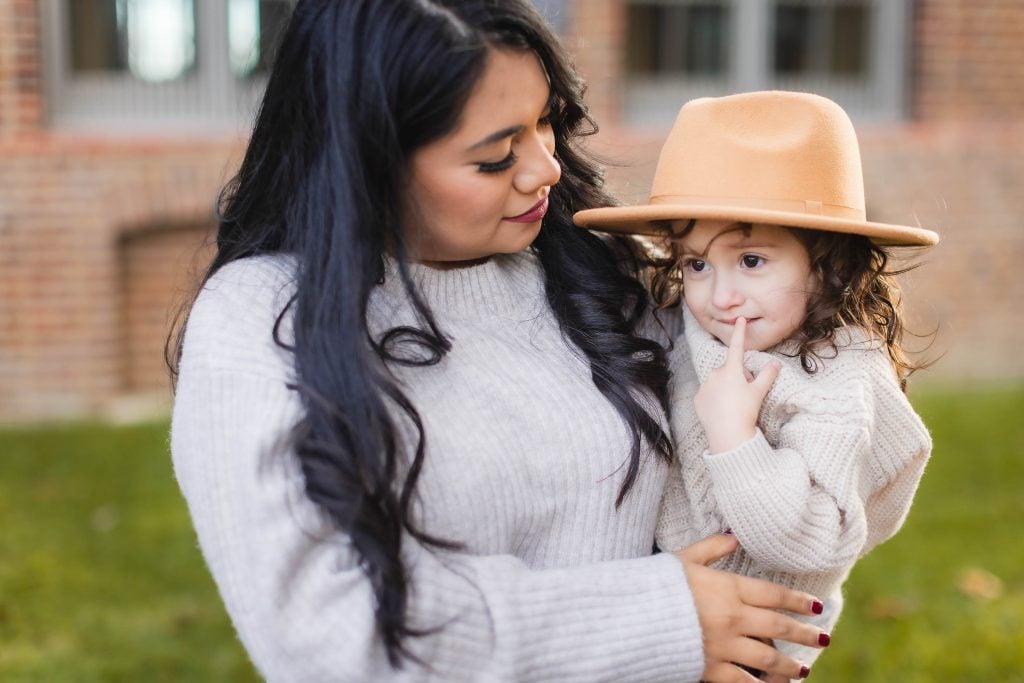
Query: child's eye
(752, 260)
(694, 265)
(498, 166)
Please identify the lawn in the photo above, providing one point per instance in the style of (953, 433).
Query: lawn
(100, 578)
(944, 600)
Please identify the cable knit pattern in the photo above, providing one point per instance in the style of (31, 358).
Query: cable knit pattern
(523, 466)
(830, 473)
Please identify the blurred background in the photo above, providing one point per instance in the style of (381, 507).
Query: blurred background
(120, 120)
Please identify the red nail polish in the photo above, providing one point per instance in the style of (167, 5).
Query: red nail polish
(824, 639)
(805, 671)
(729, 532)
(817, 607)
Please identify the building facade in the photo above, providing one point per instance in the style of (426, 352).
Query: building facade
(120, 120)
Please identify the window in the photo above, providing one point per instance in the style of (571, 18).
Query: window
(822, 40)
(254, 27)
(153, 41)
(158, 65)
(853, 51)
(688, 40)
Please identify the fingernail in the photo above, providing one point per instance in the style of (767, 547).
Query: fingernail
(824, 639)
(805, 671)
(729, 531)
(817, 606)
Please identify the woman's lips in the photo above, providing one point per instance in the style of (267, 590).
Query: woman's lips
(534, 214)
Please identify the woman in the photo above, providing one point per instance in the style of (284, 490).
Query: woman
(416, 427)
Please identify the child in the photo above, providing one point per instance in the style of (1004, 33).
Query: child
(789, 419)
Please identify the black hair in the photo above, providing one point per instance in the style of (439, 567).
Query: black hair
(357, 87)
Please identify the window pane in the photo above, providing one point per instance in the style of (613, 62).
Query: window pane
(677, 39)
(254, 27)
(849, 39)
(821, 39)
(99, 40)
(154, 40)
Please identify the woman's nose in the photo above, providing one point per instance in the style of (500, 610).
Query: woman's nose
(538, 167)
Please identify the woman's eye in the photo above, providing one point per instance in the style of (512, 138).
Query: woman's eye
(752, 261)
(695, 265)
(498, 166)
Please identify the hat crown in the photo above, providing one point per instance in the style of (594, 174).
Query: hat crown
(763, 149)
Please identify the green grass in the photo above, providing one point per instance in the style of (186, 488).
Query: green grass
(100, 578)
(944, 599)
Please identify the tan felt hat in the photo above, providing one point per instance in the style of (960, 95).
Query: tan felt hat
(782, 158)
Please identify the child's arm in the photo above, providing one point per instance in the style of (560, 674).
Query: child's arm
(840, 479)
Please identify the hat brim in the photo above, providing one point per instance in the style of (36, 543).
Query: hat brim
(648, 220)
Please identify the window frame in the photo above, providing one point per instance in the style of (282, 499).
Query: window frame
(655, 101)
(210, 98)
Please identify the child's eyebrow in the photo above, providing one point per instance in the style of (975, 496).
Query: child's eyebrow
(687, 249)
(740, 245)
(753, 245)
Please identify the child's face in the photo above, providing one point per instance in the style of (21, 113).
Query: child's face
(763, 275)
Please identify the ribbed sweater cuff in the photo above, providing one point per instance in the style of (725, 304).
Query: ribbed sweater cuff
(745, 467)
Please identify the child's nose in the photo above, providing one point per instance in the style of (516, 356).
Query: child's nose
(725, 294)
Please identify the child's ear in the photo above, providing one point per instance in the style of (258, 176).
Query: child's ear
(815, 279)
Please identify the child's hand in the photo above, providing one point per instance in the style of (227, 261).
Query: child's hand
(727, 404)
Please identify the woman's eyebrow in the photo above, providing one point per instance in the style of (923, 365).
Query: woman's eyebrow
(499, 135)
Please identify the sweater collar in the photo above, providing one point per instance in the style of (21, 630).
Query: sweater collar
(503, 284)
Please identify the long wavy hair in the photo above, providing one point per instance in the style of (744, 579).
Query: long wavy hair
(855, 288)
(356, 88)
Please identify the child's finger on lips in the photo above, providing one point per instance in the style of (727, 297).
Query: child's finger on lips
(736, 341)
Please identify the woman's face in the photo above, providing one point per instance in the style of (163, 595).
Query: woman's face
(482, 189)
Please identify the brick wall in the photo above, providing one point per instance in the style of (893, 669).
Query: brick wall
(595, 40)
(93, 237)
(969, 60)
(96, 232)
(21, 104)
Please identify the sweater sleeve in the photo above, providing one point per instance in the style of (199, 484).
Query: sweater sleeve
(304, 608)
(841, 477)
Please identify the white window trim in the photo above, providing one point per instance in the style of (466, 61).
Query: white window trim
(211, 98)
(655, 101)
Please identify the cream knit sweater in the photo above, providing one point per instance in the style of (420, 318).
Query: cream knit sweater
(830, 473)
(523, 467)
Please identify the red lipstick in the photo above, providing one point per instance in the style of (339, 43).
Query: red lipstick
(533, 214)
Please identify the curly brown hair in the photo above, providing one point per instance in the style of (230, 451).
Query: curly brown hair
(856, 289)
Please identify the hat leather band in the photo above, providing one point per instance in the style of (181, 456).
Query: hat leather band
(807, 206)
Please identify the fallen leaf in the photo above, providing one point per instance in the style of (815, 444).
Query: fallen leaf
(890, 607)
(980, 584)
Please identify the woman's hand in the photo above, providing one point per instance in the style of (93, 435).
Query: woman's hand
(728, 402)
(734, 610)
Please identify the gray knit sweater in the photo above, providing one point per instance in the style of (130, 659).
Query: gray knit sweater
(830, 473)
(523, 466)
